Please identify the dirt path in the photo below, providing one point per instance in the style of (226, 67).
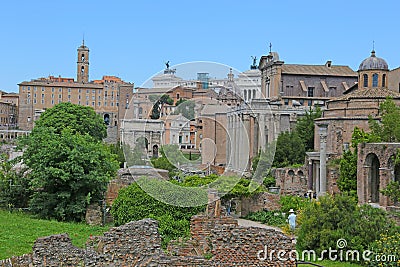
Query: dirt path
(248, 223)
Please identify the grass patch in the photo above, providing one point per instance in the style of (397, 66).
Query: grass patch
(18, 232)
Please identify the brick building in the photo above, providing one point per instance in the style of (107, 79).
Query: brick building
(109, 96)
(343, 114)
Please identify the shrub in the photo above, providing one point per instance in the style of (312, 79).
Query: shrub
(133, 203)
(293, 202)
(274, 218)
(387, 245)
(332, 218)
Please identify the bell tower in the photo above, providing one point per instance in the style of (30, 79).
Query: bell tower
(82, 74)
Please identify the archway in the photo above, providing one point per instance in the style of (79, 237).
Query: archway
(106, 119)
(372, 162)
(155, 151)
(394, 169)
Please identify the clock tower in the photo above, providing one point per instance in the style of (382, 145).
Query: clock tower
(82, 74)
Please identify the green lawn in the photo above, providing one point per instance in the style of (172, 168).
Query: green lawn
(18, 232)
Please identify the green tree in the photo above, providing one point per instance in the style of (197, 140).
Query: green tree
(290, 150)
(118, 151)
(330, 218)
(79, 119)
(68, 167)
(186, 108)
(388, 128)
(158, 104)
(305, 127)
(15, 191)
(347, 181)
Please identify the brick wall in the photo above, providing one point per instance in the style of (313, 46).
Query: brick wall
(261, 201)
(291, 181)
(230, 244)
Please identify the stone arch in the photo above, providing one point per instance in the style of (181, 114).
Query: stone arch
(142, 141)
(155, 151)
(106, 118)
(394, 169)
(372, 162)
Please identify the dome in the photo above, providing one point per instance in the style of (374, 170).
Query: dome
(373, 63)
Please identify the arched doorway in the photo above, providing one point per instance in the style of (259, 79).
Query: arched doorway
(155, 151)
(372, 162)
(142, 142)
(394, 169)
(106, 119)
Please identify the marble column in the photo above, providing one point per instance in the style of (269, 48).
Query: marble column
(322, 157)
(310, 175)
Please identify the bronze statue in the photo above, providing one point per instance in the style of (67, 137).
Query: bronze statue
(167, 64)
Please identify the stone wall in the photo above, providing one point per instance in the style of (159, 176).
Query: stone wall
(291, 181)
(139, 244)
(261, 201)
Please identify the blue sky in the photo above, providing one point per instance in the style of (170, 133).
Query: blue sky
(132, 39)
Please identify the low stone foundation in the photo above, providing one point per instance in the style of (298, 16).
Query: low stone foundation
(216, 241)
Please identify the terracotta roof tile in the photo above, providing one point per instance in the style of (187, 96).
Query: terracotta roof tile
(318, 70)
(368, 93)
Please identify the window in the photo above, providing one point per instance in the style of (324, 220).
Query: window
(42, 101)
(59, 90)
(177, 96)
(79, 96)
(42, 89)
(93, 91)
(69, 90)
(52, 89)
(310, 92)
(98, 104)
(80, 90)
(309, 103)
(59, 96)
(52, 101)
(383, 80)
(52, 95)
(375, 80)
(93, 103)
(365, 78)
(286, 101)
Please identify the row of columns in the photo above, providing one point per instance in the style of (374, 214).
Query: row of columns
(238, 143)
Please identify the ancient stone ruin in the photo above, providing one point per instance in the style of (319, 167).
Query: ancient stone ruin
(216, 241)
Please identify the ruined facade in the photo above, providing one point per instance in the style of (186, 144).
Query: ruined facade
(353, 109)
(376, 167)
